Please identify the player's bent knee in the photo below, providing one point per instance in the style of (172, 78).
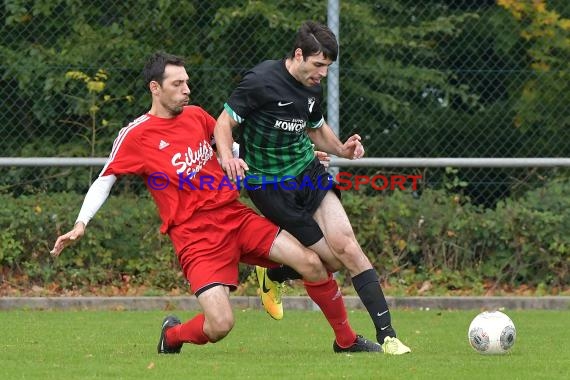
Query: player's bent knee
(314, 269)
(218, 327)
(333, 266)
(347, 247)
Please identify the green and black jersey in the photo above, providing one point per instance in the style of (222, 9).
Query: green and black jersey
(273, 110)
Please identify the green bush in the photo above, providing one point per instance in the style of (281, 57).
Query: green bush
(444, 239)
(438, 239)
(121, 247)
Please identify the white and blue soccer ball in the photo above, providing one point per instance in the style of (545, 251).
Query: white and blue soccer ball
(492, 332)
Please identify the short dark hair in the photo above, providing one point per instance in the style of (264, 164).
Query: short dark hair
(314, 38)
(154, 68)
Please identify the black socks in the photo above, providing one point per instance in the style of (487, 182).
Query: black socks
(368, 288)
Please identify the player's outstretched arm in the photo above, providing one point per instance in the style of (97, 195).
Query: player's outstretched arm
(325, 140)
(353, 148)
(66, 239)
(94, 199)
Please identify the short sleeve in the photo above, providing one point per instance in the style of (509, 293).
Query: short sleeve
(125, 157)
(248, 96)
(316, 118)
(209, 121)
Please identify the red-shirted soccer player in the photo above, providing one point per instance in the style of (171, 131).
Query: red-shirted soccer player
(170, 147)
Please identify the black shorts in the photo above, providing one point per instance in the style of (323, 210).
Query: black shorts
(291, 204)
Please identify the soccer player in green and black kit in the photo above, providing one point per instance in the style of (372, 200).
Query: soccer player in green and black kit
(277, 105)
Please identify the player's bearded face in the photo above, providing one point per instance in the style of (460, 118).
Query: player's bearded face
(175, 91)
(174, 108)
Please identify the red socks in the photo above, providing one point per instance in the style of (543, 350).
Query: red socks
(327, 295)
(188, 332)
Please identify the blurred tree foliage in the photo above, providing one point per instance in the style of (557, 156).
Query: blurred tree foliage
(418, 79)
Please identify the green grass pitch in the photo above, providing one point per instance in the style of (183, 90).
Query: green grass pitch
(122, 345)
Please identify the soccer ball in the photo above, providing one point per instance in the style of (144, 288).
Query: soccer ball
(492, 332)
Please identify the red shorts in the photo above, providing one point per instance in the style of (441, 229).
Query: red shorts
(211, 244)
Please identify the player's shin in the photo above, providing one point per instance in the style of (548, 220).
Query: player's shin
(191, 331)
(327, 296)
(368, 288)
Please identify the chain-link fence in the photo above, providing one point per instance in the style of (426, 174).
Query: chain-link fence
(432, 78)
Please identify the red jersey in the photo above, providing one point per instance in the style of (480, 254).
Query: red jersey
(176, 159)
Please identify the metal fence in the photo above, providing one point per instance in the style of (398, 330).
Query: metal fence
(427, 79)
